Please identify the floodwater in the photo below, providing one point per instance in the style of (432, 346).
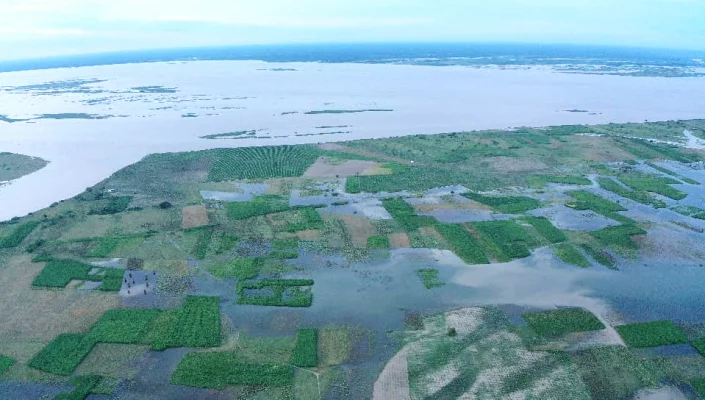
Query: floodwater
(233, 96)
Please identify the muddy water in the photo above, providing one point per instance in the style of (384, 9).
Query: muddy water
(233, 96)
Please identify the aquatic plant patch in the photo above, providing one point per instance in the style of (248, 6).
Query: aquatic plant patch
(506, 204)
(405, 215)
(651, 334)
(506, 239)
(429, 278)
(276, 292)
(463, 243)
(655, 184)
(546, 229)
(571, 255)
(558, 322)
(601, 256)
(17, 235)
(619, 236)
(585, 200)
(306, 350)
(378, 242)
(216, 370)
(638, 196)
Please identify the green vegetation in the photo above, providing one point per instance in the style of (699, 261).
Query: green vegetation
(14, 238)
(298, 219)
(698, 385)
(651, 334)
(690, 211)
(405, 214)
(414, 178)
(205, 235)
(197, 323)
(276, 292)
(699, 345)
(638, 196)
(505, 239)
(601, 256)
(655, 184)
(261, 205)
(63, 354)
(114, 205)
(236, 134)
(261, 162)
(506, 204)
(463, 243)
(5, 364)
(378, 242)
(561, 321)
(284, 244)
(614, 373)
(306, 350)
(589, 201)
(671, 173)
(216, 370)
(127, 326)
(571, 255)
(429, 277)
(539, 181)
(619, 236)
(58, 273)
(546, 229)
(84, 386)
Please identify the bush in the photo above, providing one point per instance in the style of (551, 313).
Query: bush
(115, 205)
(452, 332)
(462, 243)
(589, 201)
(18, 235)
(165, 205)
(651, 334)
(561, 321)
(306, 350)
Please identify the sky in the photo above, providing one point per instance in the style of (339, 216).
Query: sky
(38, 28)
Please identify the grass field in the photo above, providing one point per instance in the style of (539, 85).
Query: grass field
(651, 334)
(561, 321)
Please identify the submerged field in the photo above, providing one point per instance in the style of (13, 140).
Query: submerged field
(557, 263)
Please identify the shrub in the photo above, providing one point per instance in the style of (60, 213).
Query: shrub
(462, 243)
(651, 334)
(506, 204)
(561, 321)
(165, 205)
(452, 332)
(114, 205)
(14, 238)
(306, 350)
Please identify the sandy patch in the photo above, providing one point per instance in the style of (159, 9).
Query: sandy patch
(323, 169)
(377, 170)
(309, 234)
(515, 164)
(393, 382)
(194, 216)
(360, 229)
(399, 241)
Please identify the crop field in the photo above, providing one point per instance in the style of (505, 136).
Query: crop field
(651, 334)
(506, 204)
(561, 321)
(460, 265)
